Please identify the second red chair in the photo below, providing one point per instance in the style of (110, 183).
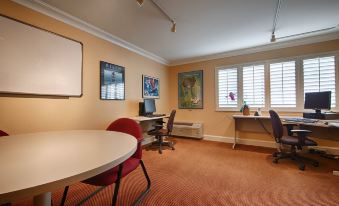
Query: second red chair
(114, 175)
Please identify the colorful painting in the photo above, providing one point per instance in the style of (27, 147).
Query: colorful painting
(190, 94)
(150, 87)
(112, 81)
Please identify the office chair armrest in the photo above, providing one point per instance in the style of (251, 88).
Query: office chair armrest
(301, 136)
(289, 127)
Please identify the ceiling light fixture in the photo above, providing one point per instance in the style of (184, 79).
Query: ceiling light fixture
(174, 24)
(140, 2)
(174, 27)
(276, 16)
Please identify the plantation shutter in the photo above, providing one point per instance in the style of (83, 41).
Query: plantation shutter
(283, 84)
(254, 85)
(228, 88)
(319, 76)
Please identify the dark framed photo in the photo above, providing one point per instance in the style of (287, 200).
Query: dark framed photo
(190, 86)
(150, 87)
(112, 81)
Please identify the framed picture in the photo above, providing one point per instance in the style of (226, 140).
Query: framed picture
(190, 86)
(150, 87)
(112, 81)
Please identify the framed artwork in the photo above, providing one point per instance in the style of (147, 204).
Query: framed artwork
(190, 90)
(112, 81)
(150, 87)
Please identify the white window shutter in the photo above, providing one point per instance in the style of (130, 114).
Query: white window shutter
(283, 84)
(254, 85)
(319, 75)
(228, 88)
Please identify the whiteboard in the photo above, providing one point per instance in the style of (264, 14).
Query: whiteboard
(35, 61)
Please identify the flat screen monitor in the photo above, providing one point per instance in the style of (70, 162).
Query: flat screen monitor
(149, 106)
(318, 100)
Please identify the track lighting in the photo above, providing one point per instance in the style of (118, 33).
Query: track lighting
(174, 27)
(273, 39)
(140, 2)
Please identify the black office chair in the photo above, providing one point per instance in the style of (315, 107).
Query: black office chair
(159, 133)
(296, 142)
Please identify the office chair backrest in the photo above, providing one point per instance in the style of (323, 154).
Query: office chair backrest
(171, 121)
(130, 127)
(277, 126)
(2, 133)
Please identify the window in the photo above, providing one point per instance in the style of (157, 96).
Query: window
(319, 75)
(254, 85)
(227, 88)
(283, 84)
(280, 85)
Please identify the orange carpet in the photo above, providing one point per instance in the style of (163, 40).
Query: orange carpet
(207, 173)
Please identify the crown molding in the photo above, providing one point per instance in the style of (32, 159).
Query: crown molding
(309, 39)
(55, 13)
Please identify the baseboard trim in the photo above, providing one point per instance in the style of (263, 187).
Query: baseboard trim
(253, 142)
(262, 143)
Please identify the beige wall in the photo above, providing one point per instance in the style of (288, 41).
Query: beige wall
(221, 123)
(20, 114)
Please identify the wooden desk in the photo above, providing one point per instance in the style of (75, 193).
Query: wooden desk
(237, 118)
(320, 123)
(37, 164)
(146, 124)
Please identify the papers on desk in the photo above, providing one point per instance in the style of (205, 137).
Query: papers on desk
(333, 124)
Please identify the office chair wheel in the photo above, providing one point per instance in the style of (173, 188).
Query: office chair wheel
(302, 167)
(275, 161)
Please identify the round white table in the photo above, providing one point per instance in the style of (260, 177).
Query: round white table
(37, 164)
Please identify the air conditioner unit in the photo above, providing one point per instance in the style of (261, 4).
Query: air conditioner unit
(188, 129)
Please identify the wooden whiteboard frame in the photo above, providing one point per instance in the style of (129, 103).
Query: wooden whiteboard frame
(59, 35)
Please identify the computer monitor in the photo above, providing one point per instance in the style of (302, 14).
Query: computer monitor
(149, 105)
(318, 101)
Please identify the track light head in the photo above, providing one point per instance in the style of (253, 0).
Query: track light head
(140, 2)
(273, 39)
(174, 27)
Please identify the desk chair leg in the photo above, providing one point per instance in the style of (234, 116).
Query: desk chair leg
(63, 200)
(117, 185)
(160, 144)
(143, 194)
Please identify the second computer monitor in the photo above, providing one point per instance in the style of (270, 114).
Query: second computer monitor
(318, 100)
(149, 105)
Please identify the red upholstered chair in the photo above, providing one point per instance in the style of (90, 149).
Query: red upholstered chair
(2, 133)
(114, 175)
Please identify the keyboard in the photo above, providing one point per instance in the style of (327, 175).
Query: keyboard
(304, 120)
(155, 115)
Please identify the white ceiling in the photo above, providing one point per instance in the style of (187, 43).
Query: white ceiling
(204, 27)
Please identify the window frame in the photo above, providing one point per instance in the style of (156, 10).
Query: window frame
(299, 82)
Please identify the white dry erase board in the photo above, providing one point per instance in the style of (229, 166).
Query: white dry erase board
(36, 61)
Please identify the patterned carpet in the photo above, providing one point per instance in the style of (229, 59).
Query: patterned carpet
(207, 173)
